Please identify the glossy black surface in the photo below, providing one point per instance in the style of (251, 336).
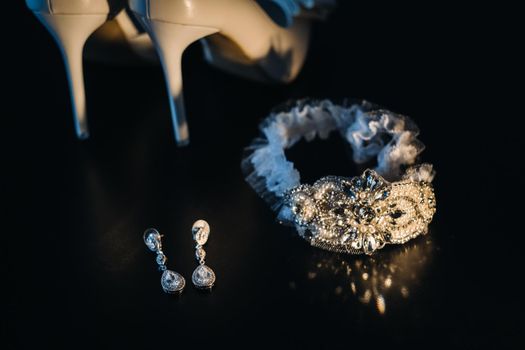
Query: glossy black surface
(79, 274)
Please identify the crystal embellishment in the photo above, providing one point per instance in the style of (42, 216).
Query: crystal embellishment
(201, 232)
(152, 238)
(361, 214)
(161, 259)
(172, 282)
(203, 277)
(200, 254)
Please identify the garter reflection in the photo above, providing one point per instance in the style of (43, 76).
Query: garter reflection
(388, 276)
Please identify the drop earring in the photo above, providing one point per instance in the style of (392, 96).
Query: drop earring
(171, 281)
(203, 276)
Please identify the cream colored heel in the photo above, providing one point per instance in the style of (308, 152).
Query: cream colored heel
(240, 38)
(171, 40)
(71, 33)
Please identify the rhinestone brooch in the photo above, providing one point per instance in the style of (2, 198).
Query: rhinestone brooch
(361, 214)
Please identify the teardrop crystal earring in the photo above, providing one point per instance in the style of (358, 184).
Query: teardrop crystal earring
(203, 277)
(171, 281)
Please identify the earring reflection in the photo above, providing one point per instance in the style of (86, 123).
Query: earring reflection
(374, 280)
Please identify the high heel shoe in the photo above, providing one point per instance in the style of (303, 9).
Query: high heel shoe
(240, 37)
(71, 22)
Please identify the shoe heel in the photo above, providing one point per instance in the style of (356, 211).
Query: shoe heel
(70, 33)
(170, 41)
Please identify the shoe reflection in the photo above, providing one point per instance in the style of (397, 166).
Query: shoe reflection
(388, 276)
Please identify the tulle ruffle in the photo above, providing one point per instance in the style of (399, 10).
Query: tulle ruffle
(372, 132)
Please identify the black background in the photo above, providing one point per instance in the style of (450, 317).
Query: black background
(78, 273)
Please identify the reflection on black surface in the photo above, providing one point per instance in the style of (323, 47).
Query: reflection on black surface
(374, 280)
